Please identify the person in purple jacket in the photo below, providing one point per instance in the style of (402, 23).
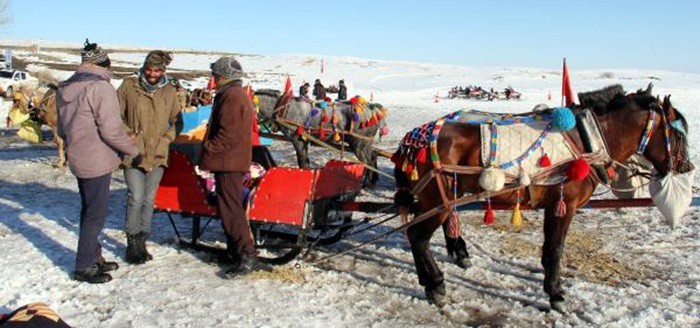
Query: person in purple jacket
(89, 121)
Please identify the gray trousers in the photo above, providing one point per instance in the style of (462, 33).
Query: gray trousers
(94, 199)
(142, 187)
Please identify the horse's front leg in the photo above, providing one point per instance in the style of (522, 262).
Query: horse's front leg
(429, 275)
(301, 147)
(555, 230)
(61, 149)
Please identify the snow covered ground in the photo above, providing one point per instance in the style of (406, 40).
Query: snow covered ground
(623, 267)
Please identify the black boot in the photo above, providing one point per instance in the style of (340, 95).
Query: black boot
(106, 266)
(248, 265)
(134, 254)
(142, 245)
(92, 275)
(230, 256)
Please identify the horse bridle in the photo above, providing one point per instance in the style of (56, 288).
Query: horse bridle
(649, 130)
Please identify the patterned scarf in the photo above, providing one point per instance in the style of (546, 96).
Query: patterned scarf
(151, 88)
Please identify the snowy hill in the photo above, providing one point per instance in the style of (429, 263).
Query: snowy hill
(623, 268)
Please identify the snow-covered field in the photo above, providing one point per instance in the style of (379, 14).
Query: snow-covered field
(623, 267)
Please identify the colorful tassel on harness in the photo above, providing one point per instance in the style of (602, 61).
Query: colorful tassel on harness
(560, 210)
(489, 217)
(300, 130)
(454, 228)
(325, 119)
(322, 134)
(578, 170)
(414, 175)
(545, 161)
(517, 218)
(336, 138)
(422, 156)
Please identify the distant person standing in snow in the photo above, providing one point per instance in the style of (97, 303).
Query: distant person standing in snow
(89, 122)
(319, 90)
(342, 90)
(304, 90)
(227, 152)
(151, 112)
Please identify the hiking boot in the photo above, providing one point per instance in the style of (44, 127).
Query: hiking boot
(134, 254)
(92, 275)
(106, 266)
(247, 266)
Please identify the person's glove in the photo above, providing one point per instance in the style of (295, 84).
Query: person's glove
(136, 161)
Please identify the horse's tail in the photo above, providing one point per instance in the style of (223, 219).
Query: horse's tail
(403, 199)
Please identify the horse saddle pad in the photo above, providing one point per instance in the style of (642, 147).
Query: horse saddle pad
(522, 145)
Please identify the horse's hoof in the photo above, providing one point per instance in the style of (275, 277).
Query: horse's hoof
(558, 304)
(464, 263)
(437, 295)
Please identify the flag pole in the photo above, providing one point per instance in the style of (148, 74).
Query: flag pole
(563, 82)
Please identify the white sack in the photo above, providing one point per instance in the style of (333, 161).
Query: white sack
(672, 195)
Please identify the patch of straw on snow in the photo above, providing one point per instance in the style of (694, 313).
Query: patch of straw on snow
(283, 274)
(584, 257)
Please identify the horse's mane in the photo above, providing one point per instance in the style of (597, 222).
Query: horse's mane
(599, 99)
(268, 92)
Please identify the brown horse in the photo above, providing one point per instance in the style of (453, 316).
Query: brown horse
(47, 114)
(459, 144)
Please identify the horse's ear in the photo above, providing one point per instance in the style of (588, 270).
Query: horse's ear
(648, 90)
(668, 109)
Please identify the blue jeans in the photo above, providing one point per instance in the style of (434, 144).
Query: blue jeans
(142, 188)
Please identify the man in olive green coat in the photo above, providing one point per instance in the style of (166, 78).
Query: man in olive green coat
(151, 114)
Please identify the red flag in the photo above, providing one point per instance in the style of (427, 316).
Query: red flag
(211, 85)
(249, 91)
(288, 86)
(568, 97)
(321, 65)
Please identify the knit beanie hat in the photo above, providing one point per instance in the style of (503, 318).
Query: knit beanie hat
(158, 58)
(228, 67)
(94, 54)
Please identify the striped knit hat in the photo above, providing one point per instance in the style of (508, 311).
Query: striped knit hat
(94, 54)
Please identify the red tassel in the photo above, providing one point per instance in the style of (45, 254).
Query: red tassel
(578, 170)
(325, 119)
(322, 134)
(300, 130)
(561, 209)
(489, 217)
(328, 100)
(354, 101)
(362, 125)
(373, 121)
(409, 168)
(545, 161)
(454, 228)
(422, 156)
(611, 173)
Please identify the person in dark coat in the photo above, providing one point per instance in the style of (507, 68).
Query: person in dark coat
(319, 90)
(227, 152)
(342, 90)
(304, 90)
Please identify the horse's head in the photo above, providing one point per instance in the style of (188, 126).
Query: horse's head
(268, 99)
(668, 145)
